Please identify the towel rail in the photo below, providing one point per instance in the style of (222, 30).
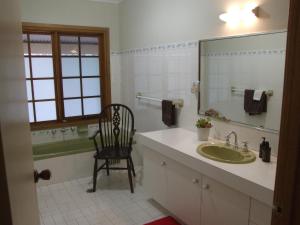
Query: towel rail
(177, 102)
(269, 93)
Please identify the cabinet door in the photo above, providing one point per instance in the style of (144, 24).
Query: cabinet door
(184, 193)
(155, 181)
(260, 213)
(222, 205)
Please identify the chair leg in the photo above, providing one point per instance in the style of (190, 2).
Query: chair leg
(107, 167)
(94, 177)
(129, 175)
(132, 166)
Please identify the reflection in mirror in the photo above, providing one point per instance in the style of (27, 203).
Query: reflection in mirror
(241, 79)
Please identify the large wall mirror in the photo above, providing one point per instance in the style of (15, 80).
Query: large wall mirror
(241, 79)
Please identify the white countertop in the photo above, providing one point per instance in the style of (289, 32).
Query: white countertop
(255, 179)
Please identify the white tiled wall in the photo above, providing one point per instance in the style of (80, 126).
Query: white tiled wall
(115, 62)
(60, 134)
(167, 71)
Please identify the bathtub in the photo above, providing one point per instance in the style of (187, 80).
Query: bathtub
(62, 148)
(67, 160)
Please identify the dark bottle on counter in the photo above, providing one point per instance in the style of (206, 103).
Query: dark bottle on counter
(266, 152)
(262, 146)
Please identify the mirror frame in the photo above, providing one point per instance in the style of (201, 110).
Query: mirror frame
(259, 128)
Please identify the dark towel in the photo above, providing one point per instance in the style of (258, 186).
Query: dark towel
(168, 112)
(254, 107)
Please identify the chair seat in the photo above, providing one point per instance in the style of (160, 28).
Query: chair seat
(113, 153)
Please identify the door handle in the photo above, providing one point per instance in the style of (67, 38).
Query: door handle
(205, 186)
(44, 175)
(277, 210)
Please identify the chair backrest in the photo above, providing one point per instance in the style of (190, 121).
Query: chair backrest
(116, 126)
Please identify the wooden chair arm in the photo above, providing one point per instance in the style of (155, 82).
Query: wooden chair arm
(94, 140)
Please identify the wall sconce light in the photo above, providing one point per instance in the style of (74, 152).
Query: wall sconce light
(236, 15)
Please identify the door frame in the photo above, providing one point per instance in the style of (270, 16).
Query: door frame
(287, 187)
(5, 213)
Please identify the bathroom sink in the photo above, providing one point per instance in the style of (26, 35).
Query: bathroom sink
(227, 154)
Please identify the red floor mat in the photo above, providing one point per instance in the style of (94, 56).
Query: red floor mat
(164, 221)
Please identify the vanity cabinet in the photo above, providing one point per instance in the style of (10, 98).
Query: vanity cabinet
(190, 196)
(223, 205)
(155, 181)
(174, 186)
(260, 213)
(184, 192)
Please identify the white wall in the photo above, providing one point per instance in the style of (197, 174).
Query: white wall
(74, 12)
(150, 22)
(145, 23)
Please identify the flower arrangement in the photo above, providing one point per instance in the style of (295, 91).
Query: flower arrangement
(203, 123)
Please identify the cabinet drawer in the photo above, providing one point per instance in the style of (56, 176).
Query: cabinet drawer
(260, 213)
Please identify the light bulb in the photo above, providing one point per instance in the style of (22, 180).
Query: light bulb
(235, 15)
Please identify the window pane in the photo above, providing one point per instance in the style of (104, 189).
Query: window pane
(90, 66)
(72, 107)
(71, 88)
(69, 45)
(89, 46)
(45, 111)
(28, 88)
(25, 44)
(30, 112)
(40, 44)
(91, 106)
(42, 67)
(27, 68)
(91, 86)
(43, 89)
(70, 67)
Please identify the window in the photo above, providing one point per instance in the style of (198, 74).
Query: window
(67, 74)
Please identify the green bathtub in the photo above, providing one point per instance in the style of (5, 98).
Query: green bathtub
(62, 148)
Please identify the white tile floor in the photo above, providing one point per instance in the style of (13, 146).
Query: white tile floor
(112, 204)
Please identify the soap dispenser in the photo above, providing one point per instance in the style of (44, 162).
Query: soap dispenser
(262, 146)
(266, 152)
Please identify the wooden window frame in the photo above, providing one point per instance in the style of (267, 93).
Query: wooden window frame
(104, 54)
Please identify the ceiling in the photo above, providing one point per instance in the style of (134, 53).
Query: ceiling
(108, 1)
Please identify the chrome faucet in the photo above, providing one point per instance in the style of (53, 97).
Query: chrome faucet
(236, 146)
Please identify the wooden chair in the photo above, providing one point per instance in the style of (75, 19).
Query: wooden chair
(116, 131)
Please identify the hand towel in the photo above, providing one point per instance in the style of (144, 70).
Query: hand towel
(252, 106)
(257, 95)
(168, 113)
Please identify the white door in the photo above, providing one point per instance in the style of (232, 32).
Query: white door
(155, 181)
(184, 193)
(222, 205)
(18, 200)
